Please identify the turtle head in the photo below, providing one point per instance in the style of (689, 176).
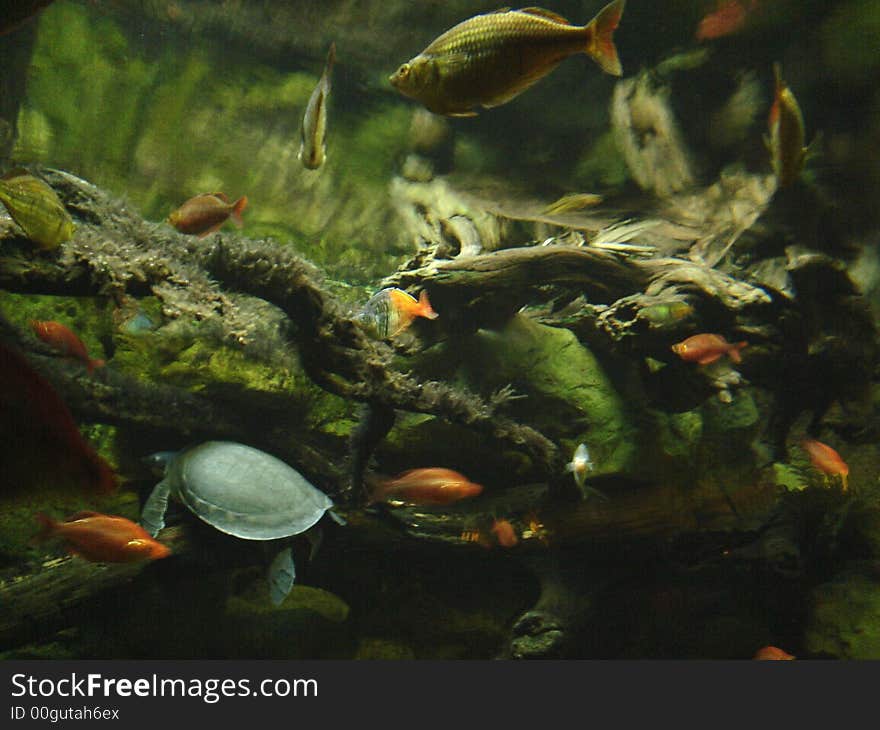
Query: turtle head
(159, 461)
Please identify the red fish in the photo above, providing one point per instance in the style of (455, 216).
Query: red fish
(204, 214)
(729, 17)
(430, 486)
(826, 459)
(707, 348)
(103, 538)
(62, 339)
(772, 652)
(504, 533)
(35, 422)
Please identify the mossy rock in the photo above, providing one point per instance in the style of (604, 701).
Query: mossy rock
(845, 618)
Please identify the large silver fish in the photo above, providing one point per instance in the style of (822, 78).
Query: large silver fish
(313, 147)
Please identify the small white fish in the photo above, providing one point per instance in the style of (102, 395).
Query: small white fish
(580, 465)
(313, 148)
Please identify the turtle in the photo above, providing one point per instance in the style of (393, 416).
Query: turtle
(243, 492)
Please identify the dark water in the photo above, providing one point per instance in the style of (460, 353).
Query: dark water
(703, 529)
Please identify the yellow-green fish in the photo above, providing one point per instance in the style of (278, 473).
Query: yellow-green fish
(786, 139)
(36, 208)
(489, 59)
(571, 202)
(313, 148)
(392, 310)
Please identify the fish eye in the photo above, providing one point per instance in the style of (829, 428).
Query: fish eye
(403, 71)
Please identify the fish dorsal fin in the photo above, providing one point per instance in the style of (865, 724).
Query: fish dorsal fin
(499, 10)
(222, 196)
(544, 13)
(83, 514)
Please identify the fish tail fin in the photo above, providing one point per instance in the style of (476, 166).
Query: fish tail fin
(601, 37)
(425, 308)
(376, 490)
(331, 59)
(734, 351)
(238, 209)
(47, 527)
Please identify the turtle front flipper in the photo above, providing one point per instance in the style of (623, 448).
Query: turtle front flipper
(153, 513)
(282, 574)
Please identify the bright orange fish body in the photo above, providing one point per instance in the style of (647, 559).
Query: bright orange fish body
(205, 214)
(729, 17)
(103, 538)
(826, 459)
(772, 653)
(62, 339)
(707, 348)
(429, 487)
(504, 533)
(489, 59)
(390, 311)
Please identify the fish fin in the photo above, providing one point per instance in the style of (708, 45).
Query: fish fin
(91, 364)
(425, 308)
(222, 196)
(15, 172)
(734, 351)
(212, 229)
(544, 13)
(709, 359)
(601, 37)
(459, 115)
(768, 145)
(777, 77)
(282, 575)
(586, 490)
(569, 467)
(331, 59)
(814, 149)
(47, 527)
(238, 209)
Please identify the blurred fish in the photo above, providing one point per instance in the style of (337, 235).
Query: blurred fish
(504, 533)
(36, 208)
(62, 339)
(772, 652)
(138, 324)
(489, 59)
(572, 202)
(34, 418)
(707, 348)
(729, 17)
(390, 311)
(660, 315)
(313, 147)
(103, 538)
(15, 12)
(428, 486)
(785, 142)
(581, 465)
(826, 460)
(206, 213)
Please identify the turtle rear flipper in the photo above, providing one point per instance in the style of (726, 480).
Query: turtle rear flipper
(153, 513)
(282, 574)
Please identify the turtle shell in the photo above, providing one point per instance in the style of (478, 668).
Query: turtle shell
(245, 492)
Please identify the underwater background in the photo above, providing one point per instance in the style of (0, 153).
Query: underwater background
(570, 241)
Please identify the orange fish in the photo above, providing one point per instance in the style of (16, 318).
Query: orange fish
(103, 538)
(707, 348)
(504, 533)
(729, 17)
(430, 486)
(826, 459)
(772, 652)
(62, 339)
(204, 214)
(35, 422)
(392, 310)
